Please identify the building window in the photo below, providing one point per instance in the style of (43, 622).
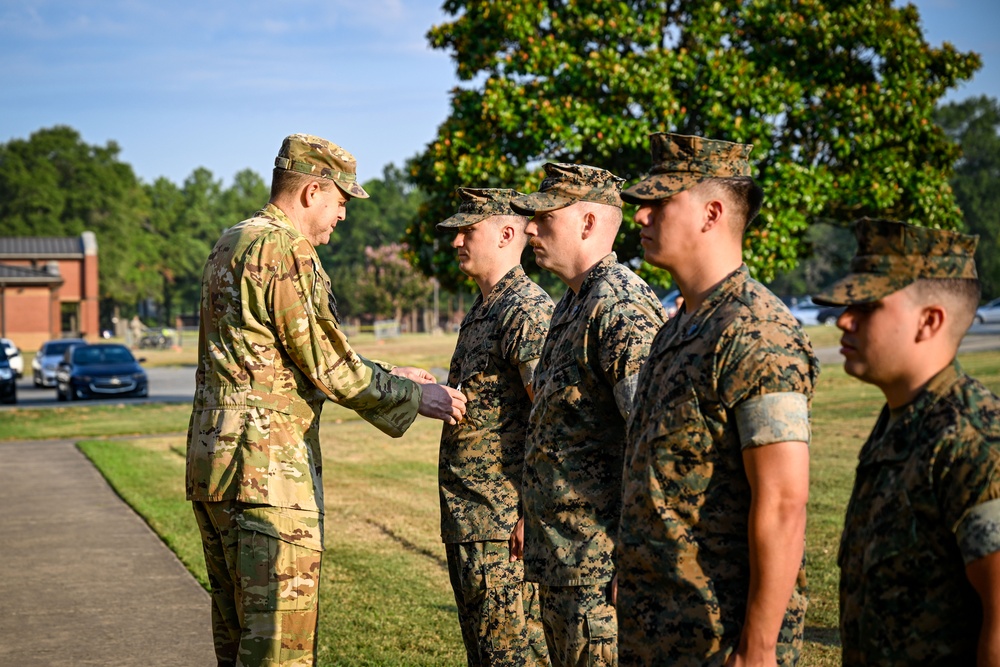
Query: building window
(69, 315)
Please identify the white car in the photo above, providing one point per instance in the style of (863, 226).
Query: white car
(989, 313)
(13, 356)
(806, 312)
(46, 361)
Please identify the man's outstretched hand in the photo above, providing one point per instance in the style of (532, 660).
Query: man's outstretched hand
(418, 375)
(441, 402)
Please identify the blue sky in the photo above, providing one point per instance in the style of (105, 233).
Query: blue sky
(218, 84)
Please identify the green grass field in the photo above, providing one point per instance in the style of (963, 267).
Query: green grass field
(385, 595)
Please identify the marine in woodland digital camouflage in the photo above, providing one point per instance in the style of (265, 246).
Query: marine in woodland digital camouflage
(680, 162)
(684, 556)
(497, 609)
(566, 184)
(891, 255)
(926, 503)
(287, 583)
(314, 156)
(270, 353)
(482, 457)
(597, 341)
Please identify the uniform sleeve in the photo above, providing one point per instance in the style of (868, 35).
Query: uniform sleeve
(625, 342)
(766, 377)
(524, 335)
(296, 299)
(969, 489)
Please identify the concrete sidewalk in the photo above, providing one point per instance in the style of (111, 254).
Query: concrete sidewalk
(85, 581)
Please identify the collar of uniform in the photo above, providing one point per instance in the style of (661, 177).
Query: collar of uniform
(599, 271)
(890, 448)
(276, 214)
(502, 286)
(715, 298)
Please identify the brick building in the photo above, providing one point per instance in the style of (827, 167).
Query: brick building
(48, 288)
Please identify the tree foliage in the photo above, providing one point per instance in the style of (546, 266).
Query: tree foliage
(975, 125)
(387, 285)
(152, 240)
(53, 184)
(374, 223)
(837, 98)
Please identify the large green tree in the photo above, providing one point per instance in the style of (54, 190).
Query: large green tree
(837, 98)
(975, 124)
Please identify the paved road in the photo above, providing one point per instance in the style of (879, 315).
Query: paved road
(173, 384)
(176, 384)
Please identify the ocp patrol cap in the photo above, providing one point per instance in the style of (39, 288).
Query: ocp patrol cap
(892, 255)
(309, 154)
(681, 162)
(566, 184)
(479, 204)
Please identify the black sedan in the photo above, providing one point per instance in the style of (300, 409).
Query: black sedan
(98, 371)
(8, 380)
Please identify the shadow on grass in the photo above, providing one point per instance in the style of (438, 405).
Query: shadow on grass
(408, 545)
(824, 636)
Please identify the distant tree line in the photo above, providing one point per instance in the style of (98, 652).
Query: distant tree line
(153, 239)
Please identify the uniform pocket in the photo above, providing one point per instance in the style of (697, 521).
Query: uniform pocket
(680, 441)
(278, 558)
(892, 536)
(503, 608)
(602, 636)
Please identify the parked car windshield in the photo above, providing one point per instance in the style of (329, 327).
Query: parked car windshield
(90, 356)
(58, 348)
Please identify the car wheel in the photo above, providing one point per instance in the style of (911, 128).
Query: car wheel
(980, 320)
(60, 396)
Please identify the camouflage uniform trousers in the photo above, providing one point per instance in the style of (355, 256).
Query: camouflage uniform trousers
(497, 610)
(581, 625)
(264, 570)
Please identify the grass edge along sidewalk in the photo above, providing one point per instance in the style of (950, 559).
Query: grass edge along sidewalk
(385, 596)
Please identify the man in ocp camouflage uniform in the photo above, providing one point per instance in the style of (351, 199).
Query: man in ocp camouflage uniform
(584, 385)
(920, 553)
(482, 457)
(270, 352)
(717, 467)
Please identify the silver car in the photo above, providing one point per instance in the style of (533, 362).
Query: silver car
(989, 313)
(806, 312)
(46, 361)
(14, 357)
